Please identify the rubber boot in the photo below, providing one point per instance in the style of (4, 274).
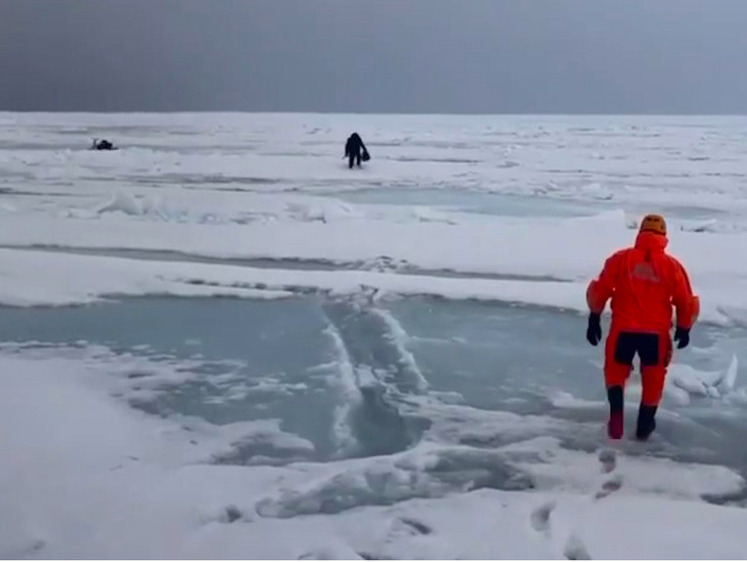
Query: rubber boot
(646, 422)
(615, 426)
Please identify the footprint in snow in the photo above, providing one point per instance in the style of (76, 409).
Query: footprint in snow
(407, 526)
(608, 459)
(419, 527)
(575, 549)
(610, 485)
(540, 517)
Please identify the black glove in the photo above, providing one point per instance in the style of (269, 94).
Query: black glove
(682, 336)
(594, 329)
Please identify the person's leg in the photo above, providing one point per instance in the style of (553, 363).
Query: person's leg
(618, 362)
(358, 158)
(656, 352)
(351, 160)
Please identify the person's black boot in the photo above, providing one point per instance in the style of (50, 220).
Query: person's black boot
(646, 422)
(615, 426)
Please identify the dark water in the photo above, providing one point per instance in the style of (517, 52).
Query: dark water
(284, 359)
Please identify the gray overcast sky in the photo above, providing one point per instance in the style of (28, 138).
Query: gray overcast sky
(414, 56)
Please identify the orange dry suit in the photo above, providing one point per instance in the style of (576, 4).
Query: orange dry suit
(644, 283)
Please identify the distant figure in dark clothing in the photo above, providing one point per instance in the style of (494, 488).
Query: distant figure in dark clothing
(353, 150)
(102, 144)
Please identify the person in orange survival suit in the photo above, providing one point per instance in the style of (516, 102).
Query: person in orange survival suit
(644, 282)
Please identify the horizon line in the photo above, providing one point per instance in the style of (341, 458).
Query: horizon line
(382, 113)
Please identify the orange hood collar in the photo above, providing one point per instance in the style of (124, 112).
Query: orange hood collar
(651, 242)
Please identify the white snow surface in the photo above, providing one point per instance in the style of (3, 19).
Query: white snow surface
(266, 188)
(547, 265)
(518, 210)
(84, 476)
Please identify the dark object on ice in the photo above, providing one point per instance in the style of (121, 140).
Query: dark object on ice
(102, 144)
(353, 148)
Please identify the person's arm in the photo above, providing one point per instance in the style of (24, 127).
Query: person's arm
(600, 289)
(598, 293)
(686, 303)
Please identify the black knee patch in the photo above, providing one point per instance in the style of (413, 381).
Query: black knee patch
(625, 348)
(648, 349)
(630, 343)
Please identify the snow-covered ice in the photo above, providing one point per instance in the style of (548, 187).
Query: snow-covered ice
(385, 362)
(85, 476)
